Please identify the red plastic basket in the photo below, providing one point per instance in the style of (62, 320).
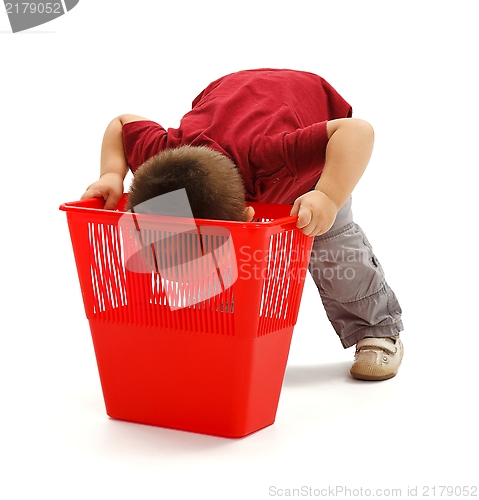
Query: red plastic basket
(203, 349)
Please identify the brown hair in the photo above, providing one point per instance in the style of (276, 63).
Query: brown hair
(212, 182)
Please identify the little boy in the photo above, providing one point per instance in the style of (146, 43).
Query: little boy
(277, 136)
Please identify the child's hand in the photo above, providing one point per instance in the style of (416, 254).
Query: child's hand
(316, 212)
(109, 187)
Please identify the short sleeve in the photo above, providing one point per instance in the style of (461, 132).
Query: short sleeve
(142, 140)
(304, 150)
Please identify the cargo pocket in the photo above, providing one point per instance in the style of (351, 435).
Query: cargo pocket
(344, 266)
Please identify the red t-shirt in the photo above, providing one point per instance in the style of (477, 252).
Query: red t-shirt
(271, 123)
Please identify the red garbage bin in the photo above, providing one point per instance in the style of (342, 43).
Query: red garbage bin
(191, 323)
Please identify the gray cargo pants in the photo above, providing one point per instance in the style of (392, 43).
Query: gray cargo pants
(351, 283)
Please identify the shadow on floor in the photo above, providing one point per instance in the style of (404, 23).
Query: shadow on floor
(306, 375)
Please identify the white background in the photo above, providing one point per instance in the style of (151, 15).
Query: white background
(410, 68)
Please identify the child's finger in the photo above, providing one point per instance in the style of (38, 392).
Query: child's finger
(111, 201)
(295, 208)
(91, 193)
(304, 217)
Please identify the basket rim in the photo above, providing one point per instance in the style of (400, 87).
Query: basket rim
(94, 206)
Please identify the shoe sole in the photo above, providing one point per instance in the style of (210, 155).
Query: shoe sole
(370, 371)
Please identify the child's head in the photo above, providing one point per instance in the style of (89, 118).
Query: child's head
(212, 182)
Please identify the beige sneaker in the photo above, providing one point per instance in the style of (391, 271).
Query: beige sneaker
(377, 358)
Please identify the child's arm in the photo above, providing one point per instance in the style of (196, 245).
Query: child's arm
(113, 166)
(348, 152)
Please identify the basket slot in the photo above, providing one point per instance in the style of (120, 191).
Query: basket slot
(173, 278)
(107, 273)
(183, 277)
(281, 285)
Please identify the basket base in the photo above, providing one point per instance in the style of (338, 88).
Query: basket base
(210, 384)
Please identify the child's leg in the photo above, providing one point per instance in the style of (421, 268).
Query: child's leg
(350, 280)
